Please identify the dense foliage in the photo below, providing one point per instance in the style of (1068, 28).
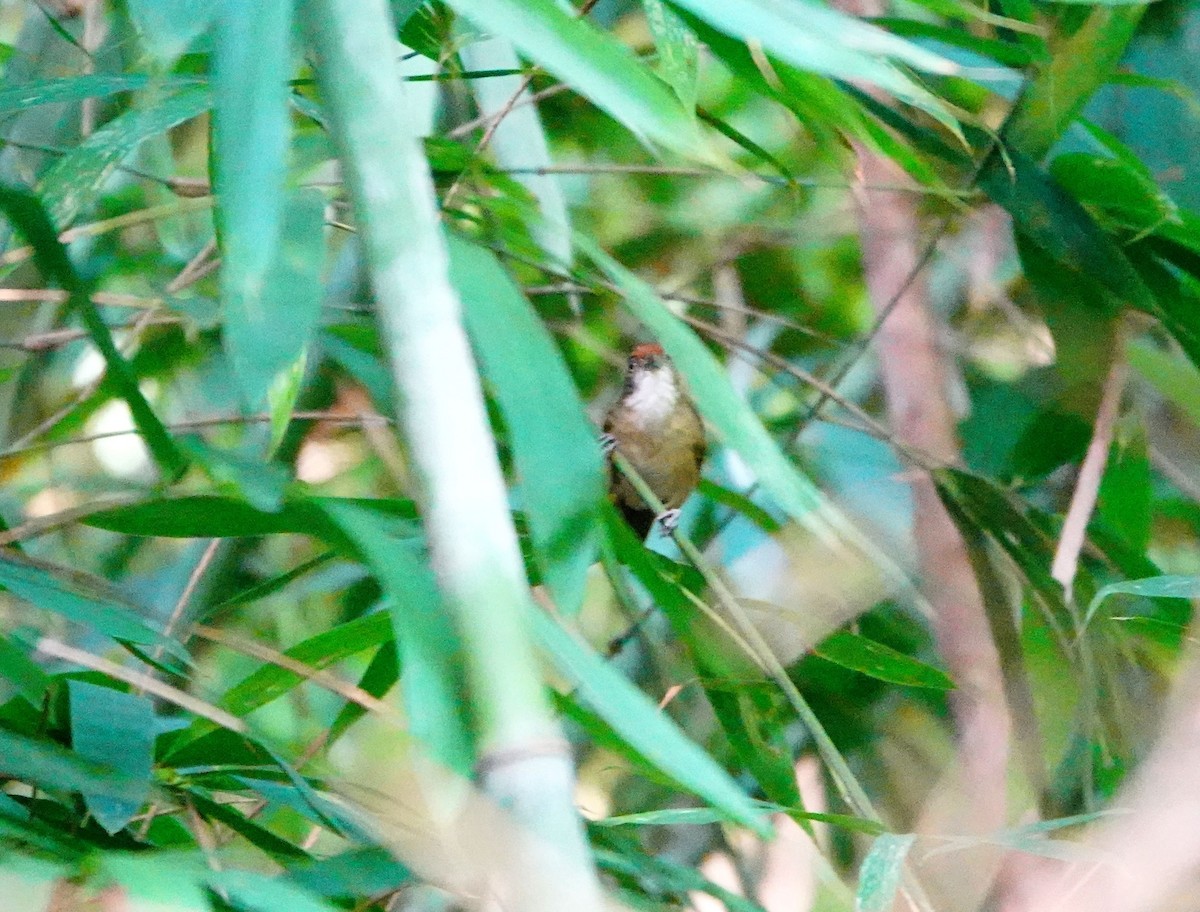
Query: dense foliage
(242, 664)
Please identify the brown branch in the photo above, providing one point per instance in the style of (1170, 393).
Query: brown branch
(914, 376)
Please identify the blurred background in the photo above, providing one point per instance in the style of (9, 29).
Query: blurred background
(943, 252)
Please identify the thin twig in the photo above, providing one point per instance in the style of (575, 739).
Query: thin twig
(319, 676)
(142, 681)
(201, 423)
(95, 229)
(1087, 485)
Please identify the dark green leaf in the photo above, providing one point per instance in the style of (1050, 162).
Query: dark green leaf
(850, 650)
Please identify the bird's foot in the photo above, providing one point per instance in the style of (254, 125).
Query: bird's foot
(608, 444)
(668, 521)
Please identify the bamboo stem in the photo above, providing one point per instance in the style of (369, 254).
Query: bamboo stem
(523, 761)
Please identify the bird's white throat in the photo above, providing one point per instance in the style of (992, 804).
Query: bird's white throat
(653, 396)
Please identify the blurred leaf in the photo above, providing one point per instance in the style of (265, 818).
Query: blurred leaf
(595, 65)
(381, 675)
(75, 180)
(555, 450)
(368, 871)
(27, 215)
(157, 883)
(647, 729)
(881, 872)
(270, 317)
(168, 27)
(823, 40)
(429, 649)
(270, 682)
(850, 650)
(210, 516)
(678, 51)
(1084, 56)
(659, 875)
(1126, 496)
(53, 767)
(259, 274)
(278, 582)
(1127, 194)
(75, 88)
(1168, 586)
(116, 728)
(1175, 378)
(702, 816)
(16, 666)
(81, 599)
(265, 893)
(276, 847)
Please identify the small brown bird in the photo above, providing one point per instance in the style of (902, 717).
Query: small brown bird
(655, 426)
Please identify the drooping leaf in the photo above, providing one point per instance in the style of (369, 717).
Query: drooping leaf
(595, 65)
(73, 183)
(428, 645)
(881, 872)
(824, 40)
(83, 600)
(117, 729)
(555, 451)
(876, 660)
(271, 316)
(644, 726)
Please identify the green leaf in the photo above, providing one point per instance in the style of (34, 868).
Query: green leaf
(1166, 586)
(210, 516)
(364, 871)
(822, 40)
(881, 872)
(271, 315)
(74, 181)
(647, 729)
(265, 893)
(81, 599)
(850, 650)
(16, 665)
(429, 648)
(251, 65)
(678, 51)
(74, 88)
(53, 767)
(595, 65)
(157, 882)
(168, 27)
(555, 453)
(116, 729)
(1175, 378)
(1083, 57)
(1125, 193)
(30, 218)
(381, 675)
(271, 682)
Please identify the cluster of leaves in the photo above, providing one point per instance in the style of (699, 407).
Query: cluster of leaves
(185, 764)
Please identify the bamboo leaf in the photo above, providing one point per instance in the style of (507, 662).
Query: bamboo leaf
(116, 728)
(595, 65)
(556, 456)
(644, 726)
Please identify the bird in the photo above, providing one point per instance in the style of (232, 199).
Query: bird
(657, 429)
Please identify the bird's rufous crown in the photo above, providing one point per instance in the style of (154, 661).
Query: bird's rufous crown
(646, 349)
